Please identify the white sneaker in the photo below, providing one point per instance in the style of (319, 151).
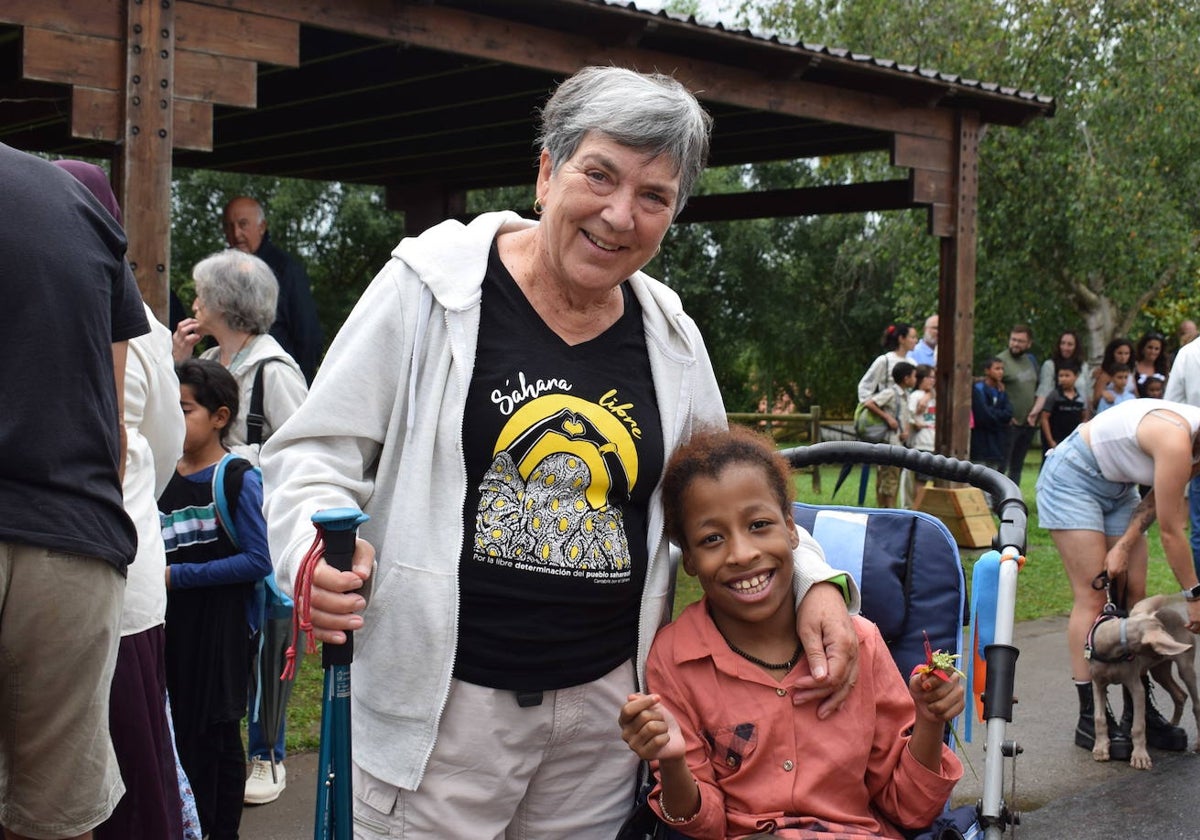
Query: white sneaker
(261, 787)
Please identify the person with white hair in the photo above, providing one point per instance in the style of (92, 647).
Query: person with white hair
(501, 402)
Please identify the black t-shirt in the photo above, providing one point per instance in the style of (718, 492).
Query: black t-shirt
(563, 446)
(1065, 413)
(67, 294)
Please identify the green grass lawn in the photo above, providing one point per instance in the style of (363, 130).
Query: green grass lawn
(1042, 588)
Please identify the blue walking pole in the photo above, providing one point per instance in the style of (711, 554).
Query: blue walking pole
(334, 819)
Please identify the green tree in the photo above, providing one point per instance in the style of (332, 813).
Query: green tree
(1087, 219)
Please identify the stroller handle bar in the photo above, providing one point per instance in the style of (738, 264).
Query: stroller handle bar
(1006, 495)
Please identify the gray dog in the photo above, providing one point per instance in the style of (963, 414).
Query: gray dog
(1120, 650)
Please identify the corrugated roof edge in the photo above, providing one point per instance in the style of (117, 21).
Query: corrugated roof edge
(993, 88)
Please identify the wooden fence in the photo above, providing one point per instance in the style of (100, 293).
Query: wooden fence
(792, 428)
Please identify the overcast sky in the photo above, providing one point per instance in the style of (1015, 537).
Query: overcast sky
(709, 8)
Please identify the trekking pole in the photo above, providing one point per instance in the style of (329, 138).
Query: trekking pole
(334, 821)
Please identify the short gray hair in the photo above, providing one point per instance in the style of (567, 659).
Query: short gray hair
(650, 112)
(239, 286)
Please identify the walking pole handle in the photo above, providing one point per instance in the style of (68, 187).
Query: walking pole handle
(340, 529)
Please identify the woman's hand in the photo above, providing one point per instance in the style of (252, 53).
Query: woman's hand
(1117, 559)
(336, 601)
(650, 730)
(184, 339)
(831, 645)
(1193, 614)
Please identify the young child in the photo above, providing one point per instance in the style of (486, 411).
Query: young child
(922, 409)
(1064, 408)
(734, 755)
(1153, 386)
(891, 404)
(209, 586)
(1117, 390)
(992, 413)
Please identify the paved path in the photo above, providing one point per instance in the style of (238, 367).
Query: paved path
(1060, 790)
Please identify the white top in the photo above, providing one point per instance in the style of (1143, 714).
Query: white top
(284, 389)
(1114, 438)
(879, 375)
(154, 427)
(923, 437)
(1183, 385)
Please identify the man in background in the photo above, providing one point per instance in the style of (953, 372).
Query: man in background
(925, 353)
(1020, 383)
(71, 307)
(296, 326)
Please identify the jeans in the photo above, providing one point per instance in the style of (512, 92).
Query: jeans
(258, 738)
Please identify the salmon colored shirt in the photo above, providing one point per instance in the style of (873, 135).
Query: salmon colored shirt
(765, 764)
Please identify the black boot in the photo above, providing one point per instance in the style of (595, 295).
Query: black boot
(1120, 748)
(1160, 734)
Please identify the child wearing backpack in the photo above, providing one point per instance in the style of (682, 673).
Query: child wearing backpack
(210, 584)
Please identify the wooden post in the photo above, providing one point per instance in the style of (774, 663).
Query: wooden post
(956, 311)
(426, 205)
(143, 160)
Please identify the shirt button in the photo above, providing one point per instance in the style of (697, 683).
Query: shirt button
(788, 765)
(781, 692)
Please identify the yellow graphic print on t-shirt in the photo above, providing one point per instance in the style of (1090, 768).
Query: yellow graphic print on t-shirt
(552, 498)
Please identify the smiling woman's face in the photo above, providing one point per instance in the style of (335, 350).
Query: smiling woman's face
(607, 209)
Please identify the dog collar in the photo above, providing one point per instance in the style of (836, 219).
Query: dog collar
(1123, 654)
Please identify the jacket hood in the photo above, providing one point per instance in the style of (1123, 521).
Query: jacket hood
(448, 252)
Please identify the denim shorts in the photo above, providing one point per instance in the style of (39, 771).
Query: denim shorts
(1072, 495)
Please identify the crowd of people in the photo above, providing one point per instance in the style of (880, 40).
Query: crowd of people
(534, 426)
(1120, 443)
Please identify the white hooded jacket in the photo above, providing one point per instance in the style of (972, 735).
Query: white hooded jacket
(382, 431)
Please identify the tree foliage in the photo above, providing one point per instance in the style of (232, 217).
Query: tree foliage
(1087, 220)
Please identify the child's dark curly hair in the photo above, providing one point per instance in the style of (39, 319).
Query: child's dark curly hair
(706, 455)
(212, 386)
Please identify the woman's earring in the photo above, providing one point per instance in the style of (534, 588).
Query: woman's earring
(538, 209)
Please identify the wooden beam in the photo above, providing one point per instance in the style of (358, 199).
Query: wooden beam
(941, 220)
(219, 80)
(424, 205)
(806, 201)
(206, 29)
(96, 115)
(923, 153)
(481, 36)
(71, 59)
(193, 125)
(930, 187)
(956, 337)
(144, 157)
(101, 18)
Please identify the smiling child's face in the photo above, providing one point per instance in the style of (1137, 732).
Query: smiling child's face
(739, 543)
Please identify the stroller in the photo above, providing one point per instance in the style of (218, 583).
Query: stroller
(911, 578)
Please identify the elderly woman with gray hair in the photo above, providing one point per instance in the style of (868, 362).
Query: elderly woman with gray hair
(235, 305)
(501, 402)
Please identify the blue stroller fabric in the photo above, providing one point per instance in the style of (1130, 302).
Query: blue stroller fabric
(908, 569)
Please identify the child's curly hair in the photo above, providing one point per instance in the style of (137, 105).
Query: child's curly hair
(707, 454)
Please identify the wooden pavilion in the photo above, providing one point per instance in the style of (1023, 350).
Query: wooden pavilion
(432, 98)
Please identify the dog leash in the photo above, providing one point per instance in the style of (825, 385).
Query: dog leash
(1111, 608)
(1109, 612)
